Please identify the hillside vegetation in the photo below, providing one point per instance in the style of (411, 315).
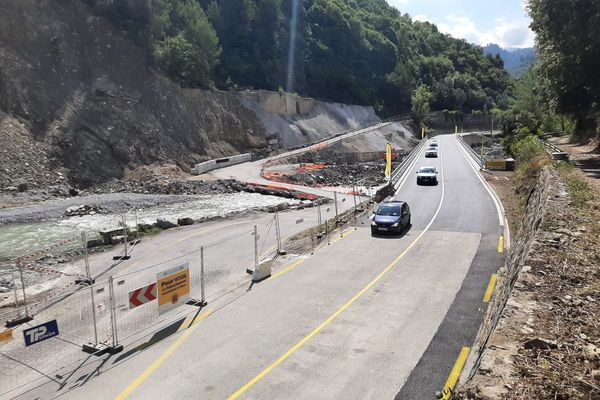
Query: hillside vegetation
(350, 51)
(516, 61)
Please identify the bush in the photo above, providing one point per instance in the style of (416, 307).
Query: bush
(526, 147)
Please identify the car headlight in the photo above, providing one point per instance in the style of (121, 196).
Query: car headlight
(397, 224)
(373, 223)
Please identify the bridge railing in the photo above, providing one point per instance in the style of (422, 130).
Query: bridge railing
(406, 162)
(476, 156)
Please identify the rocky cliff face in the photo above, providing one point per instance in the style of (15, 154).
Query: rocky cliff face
(80, 103)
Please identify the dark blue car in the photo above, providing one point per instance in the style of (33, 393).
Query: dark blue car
(391, 216)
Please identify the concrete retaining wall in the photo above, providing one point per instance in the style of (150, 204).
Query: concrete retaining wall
(284, 103)
(220, 163)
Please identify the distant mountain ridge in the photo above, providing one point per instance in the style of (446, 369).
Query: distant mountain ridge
(516, 61)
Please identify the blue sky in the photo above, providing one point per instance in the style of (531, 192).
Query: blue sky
(478, 21)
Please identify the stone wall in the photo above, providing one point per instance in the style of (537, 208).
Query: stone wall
(490, 370)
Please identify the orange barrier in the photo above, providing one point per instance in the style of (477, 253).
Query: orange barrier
(311, 167)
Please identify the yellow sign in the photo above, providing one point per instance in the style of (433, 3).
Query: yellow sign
(6, 336)
(388, 160)
(496, 164)
(173, 287)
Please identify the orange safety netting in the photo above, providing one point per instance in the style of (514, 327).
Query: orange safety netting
(310, 167)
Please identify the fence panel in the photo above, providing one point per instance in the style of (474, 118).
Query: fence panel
(225, 264)
(74, 316)
(132, 321)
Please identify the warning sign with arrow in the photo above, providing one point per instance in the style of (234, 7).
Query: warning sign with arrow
(142, 295)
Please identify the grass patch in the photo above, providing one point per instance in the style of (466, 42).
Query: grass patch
(580, 190)
(151, 231)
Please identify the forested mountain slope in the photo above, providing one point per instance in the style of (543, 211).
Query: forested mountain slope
(351, 51)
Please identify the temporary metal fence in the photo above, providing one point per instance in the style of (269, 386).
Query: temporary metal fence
(33, 273)
(101, 317)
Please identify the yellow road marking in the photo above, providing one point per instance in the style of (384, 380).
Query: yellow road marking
(163, 357)
(490, 289)
(320, 327)
(283, 271)
(501, 244)
(341, 237)
(455, 373)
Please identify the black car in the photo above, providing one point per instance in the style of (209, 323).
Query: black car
(391, 216)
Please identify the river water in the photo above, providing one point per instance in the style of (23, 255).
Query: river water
(18, 239)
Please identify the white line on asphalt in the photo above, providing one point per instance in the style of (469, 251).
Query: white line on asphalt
(409, 170)
(306, 338)
(499, 207)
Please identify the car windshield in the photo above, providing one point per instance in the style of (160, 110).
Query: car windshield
(389, 210)
(427, 170)
(431, 149)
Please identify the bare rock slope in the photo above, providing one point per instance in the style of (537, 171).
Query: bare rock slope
(80, 102)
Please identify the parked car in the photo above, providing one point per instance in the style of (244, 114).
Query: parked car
(433, 143)
(427, 175)
(391, 216)
(431, 152)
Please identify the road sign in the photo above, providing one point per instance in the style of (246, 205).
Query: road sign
(6, 335)
(142, 295)
(173, 286)
(40, 333)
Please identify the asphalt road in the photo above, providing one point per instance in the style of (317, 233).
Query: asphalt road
(363, 318)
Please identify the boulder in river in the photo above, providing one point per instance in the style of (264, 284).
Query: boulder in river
(165, 223)
(185, 221)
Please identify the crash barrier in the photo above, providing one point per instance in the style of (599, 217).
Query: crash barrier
(555, 152)
(129, 306)
(210, 165)
(321, 144)
(405, 164)
(500, 165)
(553, 134)
(476, 156)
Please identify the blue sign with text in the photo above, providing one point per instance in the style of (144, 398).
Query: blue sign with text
(40, 333)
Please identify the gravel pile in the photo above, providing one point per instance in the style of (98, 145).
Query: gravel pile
(343, 175)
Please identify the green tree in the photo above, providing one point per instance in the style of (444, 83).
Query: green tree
(568, 43)
(189, 50)
(420, 103)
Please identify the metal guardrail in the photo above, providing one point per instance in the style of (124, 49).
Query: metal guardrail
(555, 152)
(401, 169)
(553, 134)
(477, 157)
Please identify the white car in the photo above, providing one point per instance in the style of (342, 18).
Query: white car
(431, 152)
(433, 143)
(427, 175)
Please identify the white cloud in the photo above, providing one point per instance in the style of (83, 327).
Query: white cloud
(422, 18)
(504, 33)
